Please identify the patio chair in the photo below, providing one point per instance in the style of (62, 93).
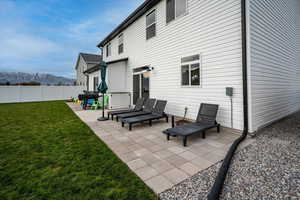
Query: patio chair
(98, 104)
(158, 113)
(138, 107)
(148, 108)
(206, 119)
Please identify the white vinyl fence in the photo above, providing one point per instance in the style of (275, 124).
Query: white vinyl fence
(13, 94)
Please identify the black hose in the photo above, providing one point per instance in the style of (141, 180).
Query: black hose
(220, 179)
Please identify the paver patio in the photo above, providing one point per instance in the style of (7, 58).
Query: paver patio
(161, 164)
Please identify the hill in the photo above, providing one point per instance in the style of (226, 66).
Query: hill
(43, 79)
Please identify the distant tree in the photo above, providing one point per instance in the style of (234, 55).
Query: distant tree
(32, 83)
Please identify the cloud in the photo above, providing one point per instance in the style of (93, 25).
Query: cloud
(48, 39)
(21, 46)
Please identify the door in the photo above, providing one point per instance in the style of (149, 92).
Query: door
(136, 88)
(145, 87)
(140, 87)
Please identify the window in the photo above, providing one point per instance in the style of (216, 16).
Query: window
(190, 71)
(96, 83)
(150, 25)
(175, 8)
(108, 50)
(121, 44)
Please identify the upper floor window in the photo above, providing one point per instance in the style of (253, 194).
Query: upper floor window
(121, 44)
(108, 50)
(151, 25)
(175, 8)
(190, 70)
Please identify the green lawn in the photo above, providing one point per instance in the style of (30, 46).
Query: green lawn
(46, 152)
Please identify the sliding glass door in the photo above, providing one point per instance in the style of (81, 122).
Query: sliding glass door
(141, 87)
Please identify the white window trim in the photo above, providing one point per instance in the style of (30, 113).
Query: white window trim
(109, 44)
(121, 35)
(153, 10)
(189, 64)
(180, 16)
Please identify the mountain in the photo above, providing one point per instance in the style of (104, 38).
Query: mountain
(43, 79)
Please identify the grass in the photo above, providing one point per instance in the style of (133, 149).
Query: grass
(47, 152)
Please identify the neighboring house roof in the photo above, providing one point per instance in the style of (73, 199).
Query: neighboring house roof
(140, 11)
(89, 58)
(92, 69)
(97, 67)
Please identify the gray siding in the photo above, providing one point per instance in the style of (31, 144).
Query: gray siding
(274, 74)
(81, 78)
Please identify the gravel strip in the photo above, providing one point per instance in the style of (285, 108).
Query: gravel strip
(269, 168)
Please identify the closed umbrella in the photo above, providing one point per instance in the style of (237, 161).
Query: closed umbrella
(103, 88)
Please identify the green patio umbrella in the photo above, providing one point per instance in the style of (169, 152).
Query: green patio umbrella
(103, 88)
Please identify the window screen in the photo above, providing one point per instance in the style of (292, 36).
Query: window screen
(185, 74)
(170, 10)
(121, 44)
(121, 48)
(150, 19)
(151, 31)
(180, 7)
(175, 8)
(150, 25)
(108, 50)
(190, 58)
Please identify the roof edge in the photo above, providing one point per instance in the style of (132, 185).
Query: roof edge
(116, 61)
(92, 69)
(97, 67)
(136, 14)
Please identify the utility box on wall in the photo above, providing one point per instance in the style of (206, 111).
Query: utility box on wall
(119, 100)
(229, 91)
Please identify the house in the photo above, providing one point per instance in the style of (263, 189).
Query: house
(85, 62)
(193, 51)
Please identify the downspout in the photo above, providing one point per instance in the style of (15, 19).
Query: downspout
(221, 176)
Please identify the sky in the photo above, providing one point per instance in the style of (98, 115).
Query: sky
(46, 36)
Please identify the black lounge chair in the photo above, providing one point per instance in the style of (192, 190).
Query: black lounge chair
(146, 110)
(206, 119)
(158, 113)
(138, 107)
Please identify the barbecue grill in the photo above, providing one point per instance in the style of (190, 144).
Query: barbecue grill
(86, 96)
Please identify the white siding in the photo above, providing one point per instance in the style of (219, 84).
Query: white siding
(297, 6)
(116, 77)
(274, 60)
(211, 28)
(91, 79)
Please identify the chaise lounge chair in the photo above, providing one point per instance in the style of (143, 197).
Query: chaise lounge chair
(138, 107)
(206, 119)
(146, 110)
(158, 113)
